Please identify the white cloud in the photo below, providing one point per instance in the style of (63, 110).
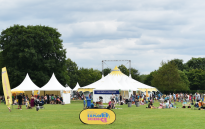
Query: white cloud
(145, 32)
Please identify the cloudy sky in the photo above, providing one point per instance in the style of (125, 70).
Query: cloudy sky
(145, 32)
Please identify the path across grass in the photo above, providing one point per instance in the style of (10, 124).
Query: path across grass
(67, 117)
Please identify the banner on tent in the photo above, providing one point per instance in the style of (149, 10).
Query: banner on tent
(66, 92)
(106, 92)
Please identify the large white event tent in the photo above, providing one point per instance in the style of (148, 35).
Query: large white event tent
(27, 86)
(115, 81)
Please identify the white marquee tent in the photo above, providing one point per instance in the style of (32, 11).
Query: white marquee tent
(27, 85)
(76, 87)
(52, 85)
(68, 88)
(116, 80)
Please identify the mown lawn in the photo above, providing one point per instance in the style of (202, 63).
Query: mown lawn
(67, 117)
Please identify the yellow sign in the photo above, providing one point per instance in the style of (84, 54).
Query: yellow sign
(97, 116)
(66, 92)
(35, 92)
(6, 86)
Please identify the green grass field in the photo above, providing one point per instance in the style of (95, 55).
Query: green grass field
(67, 117)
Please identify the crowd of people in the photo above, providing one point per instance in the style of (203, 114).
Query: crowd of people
(30, 102)
(166, 101)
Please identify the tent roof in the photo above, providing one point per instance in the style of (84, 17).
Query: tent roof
(67, 87)
(27, 85)
(117, 80)
(76, 87)
(53, 85)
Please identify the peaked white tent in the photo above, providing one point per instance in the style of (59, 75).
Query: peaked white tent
(68, 88)
(27, 85)
(53, 85)
(76, 87)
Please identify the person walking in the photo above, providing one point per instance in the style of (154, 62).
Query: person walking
(20, 101)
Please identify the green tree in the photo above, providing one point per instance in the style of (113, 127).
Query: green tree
(1, 66)
(72, 70)
(179, 64)
(143, 77)
(107, 71)
(168, 77)
(124, 70)
(196, 78)
(134, 72)
(88, 76)
(196, 63)
(37, 50)
(149, 79)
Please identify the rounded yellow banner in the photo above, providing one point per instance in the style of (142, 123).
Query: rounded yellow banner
(97, 116)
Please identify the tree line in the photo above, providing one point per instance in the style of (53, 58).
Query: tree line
(38, 51)
(176, 76)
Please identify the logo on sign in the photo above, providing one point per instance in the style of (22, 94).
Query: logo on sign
(97, 116)
(104, 117)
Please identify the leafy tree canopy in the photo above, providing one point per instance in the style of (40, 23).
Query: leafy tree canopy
(72, 70)
(36, 50)
(169, 77)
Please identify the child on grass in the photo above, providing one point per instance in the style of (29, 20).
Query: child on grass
(8, 103)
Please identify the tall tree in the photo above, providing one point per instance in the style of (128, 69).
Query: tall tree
(179, 63)
(72, 70)
(134, 72)
(143, 77)
(88, 76)
(107, 71)
(37, 50)
(149, 79)
(124, 70)
(168, 77)
(196, 78)
(196, 63)
(1, 66)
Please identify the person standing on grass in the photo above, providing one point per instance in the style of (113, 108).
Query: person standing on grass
(120, 98)
(174, 97)
(84, 102)
(198, 97)
(20, 101)
(52, 99)
(8, 103)
(45, 98)
(117, 99)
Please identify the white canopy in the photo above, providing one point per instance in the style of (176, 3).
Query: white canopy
(76, 87)
(67, 88)
(117, 80)
(27, 85)
(53, 85)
